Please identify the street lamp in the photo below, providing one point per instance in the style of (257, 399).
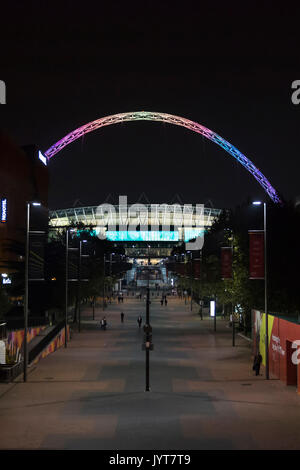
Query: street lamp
(25, 349)
(147, 328)
(259, 203)
(68, 230)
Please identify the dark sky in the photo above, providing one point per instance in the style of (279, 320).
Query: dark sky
(226, 65)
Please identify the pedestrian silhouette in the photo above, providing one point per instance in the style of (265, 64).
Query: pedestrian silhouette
(139, 320)
(122, 317)
(256, 363)
(103, 323)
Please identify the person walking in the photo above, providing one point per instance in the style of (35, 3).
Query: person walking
(103, 323)
(256, 363)
(139, 320)
(166, 302)
(122, 317)
(162, 302)
(201, 309)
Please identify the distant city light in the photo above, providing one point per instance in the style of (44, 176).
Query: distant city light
(256, 203)
(5, 279)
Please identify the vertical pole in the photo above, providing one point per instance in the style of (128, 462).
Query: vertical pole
(110, 274)
(191, 282)
(148, 324)
(200, 295)
(215, 317)
(266, 286)
(66, 286)
(79, 286)
(147, 308)
(147, 339)
(103, 287)
(94, 307)
(233, 327)
(25, 347)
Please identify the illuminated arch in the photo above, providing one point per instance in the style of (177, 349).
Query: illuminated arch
(169, 118)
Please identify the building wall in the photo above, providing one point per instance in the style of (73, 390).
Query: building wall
(281, 334)
(23, 177)
(168, 225)
(57, 343)
(15, 341)
(15, 338)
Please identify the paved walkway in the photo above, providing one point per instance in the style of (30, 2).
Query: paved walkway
(203, 392)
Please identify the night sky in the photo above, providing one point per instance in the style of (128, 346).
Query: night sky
(226, 65)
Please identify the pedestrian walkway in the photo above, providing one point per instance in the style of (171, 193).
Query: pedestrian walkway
(204, 394)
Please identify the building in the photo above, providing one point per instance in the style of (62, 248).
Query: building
(141, 226)
(23, 177)
(147, 232)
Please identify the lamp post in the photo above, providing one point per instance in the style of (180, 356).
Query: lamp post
(66, 285)
(80, 279)
(258, 203)
(148, 329)
(77, 279)
(25, 347)
(79, 286)
(67, 280)
(191, 279)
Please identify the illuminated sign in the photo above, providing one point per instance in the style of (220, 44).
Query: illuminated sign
(42, 158)
(6, 280)
(142, 236)
(212, 308)
(2, 92)
(4, 210)
(191, 233)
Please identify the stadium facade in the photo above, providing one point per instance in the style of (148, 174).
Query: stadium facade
(147, 232)
(140, 222)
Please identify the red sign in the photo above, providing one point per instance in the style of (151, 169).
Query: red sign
(226, 262)
(256, 261)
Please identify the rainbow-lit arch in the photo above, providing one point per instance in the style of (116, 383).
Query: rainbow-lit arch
(169, 118)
